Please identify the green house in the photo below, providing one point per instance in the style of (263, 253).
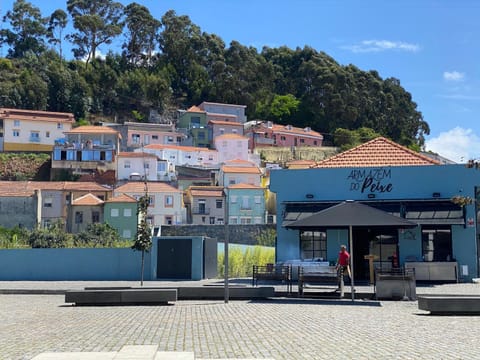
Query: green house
(121, 213)
(193, 122)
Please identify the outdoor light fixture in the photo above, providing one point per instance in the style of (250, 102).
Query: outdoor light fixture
(436, 195)
(371, 196)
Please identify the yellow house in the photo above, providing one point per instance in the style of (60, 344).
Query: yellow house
(32, 130)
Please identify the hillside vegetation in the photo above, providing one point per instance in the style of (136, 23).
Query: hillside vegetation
(24, 167)
(170, 63)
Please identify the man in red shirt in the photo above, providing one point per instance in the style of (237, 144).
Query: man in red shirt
(343, 260)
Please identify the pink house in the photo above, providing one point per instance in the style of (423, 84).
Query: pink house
(267, 133)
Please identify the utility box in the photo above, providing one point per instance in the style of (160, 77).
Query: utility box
(186, 258)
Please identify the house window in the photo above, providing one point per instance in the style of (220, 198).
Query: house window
(151, 201)
(154, 137)
(234, 131)
(146, 165)
(283, 138)
(258, 199)
(16, 123)
(168, 220)
(47, 202)
(315, 142)
(95, 217)
(114, 212)
(168, 201)
(245, 221)
(212, 220)
(127, 165)
(47, 134)
(170, 139)
(59, 126)
(219, 203)
(233, 220)
(201, 135)
(222, 131)
(16, 133)
(302, 141)
(233, 199)
(210, 157)
(257, 220)
(34, 136)
(161, 166)
(146, 139)
(231, 181)
(46, 223)
(127, 212)
(78, 217)
(136, 138)
(195, 121)
(313, 245)
(220, 221)
(127, 234)
(245, 203)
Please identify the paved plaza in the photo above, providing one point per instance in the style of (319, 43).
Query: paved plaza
(280, 328)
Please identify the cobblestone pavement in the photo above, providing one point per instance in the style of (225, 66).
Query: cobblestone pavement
(279, 328)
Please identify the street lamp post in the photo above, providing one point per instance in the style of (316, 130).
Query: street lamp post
(225, 250)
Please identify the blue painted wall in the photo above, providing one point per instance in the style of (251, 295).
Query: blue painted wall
(389, 183)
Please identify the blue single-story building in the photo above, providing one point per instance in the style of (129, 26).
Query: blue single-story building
(441, 199)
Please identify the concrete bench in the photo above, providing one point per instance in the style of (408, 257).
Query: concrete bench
(450, 304)
(119, 296)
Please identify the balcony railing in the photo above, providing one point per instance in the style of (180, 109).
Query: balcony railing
(199, 210)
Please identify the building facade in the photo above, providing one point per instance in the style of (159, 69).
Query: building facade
(441, 199)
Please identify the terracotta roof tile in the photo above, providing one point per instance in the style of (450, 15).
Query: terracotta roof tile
(139, 187)
(230, 136)
(377, 152)
(241, 169)
(223, 122)
(207, 192)
(301, 164)
(87, 200)
(20, 114)
(122, 198)
(295, 130)
(195, 109)
(128, 154)
(89, 129)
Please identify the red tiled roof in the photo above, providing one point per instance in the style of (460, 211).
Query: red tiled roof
(295, 130)
(122, 198)
(208, 191)
(87, 200)
(377, 152)
(241, 169)
(89, 129)
(129, 154)
(195, 109)
(230, 136)
(223, 122)
(19, 114)
(239, 162)
(152, 187)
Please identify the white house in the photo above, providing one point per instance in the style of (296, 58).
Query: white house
(31, 130)
(231, 146)
(230, 175)
(184, 155)
(137, 166)
(165, 204)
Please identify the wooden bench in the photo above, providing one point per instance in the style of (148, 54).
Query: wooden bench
(450, 304)
(316, 275)
(121, 296)
(270, 272)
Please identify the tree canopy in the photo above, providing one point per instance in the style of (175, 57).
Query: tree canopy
(170, 63)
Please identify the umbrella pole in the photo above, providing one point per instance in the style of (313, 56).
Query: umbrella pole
(350, 237)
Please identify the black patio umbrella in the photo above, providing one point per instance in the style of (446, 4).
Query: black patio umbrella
(347, 215)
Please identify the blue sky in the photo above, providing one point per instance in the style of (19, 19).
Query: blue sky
(431, 46)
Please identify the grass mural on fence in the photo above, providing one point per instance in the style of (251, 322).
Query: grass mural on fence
(241, 259)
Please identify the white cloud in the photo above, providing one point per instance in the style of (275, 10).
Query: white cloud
(453, 76)
(381, 45)
(458, 144)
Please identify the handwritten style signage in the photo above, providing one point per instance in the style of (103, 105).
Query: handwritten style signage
(375, 180)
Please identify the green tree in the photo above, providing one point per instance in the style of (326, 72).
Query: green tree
(27, 29)
(283, 107)
(97, 22)
(56, 25)
(142, 35)
(143, 238)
